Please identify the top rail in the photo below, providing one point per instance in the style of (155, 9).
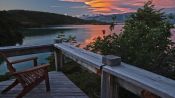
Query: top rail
(142, 80)
(88, 59)
(25, 50)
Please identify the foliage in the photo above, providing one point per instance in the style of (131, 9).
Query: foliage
(51, 61)
(88, 82)
(104, 45)
(4, 77)
(144, 42)
(112, 25)
(69, 39)
(9, 34)
(145, 37)
(171, 18)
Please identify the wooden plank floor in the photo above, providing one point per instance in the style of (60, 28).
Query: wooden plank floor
(61, 87)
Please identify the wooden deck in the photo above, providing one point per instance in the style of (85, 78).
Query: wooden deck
(61, 87)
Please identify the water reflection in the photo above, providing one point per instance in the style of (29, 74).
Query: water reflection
(96, 31)
(83, 33)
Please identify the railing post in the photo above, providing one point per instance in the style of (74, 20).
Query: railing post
(109, 84)
(105, 85)
(35, 62)
(58, 59)
(58, 55)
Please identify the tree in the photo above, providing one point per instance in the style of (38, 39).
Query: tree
(144, 42)
(9, 34)
(145, 38)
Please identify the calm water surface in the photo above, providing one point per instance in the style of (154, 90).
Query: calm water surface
(84, 34)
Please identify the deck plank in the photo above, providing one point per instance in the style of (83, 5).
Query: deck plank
(61, 87)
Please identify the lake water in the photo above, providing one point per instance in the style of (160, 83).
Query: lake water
(38, 36)
(83, 33)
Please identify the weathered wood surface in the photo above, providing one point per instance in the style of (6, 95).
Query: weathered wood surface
(88, 59)
(61, 87)
(59, 58)
(136, 80)
(25, 50)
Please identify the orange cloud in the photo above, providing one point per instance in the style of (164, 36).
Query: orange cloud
(121, 6)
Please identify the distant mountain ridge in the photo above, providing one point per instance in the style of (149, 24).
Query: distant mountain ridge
(120, 18)
(38, 19)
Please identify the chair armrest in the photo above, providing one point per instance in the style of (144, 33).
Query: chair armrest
(23, 60)
(45, 66)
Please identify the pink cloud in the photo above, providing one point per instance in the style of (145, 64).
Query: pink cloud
(164, 3)
(121, 6)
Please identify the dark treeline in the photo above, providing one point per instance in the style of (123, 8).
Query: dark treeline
(39, 19)
(9, 34)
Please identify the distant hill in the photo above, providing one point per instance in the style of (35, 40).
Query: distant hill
(38, 19)
(120, 18)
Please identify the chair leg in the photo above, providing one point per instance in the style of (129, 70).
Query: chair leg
(23, 92)
(47, 83)
(10, 86)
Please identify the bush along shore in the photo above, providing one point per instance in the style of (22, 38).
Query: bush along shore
(144, 42)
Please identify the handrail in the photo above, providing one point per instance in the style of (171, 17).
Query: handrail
(26, 49)
(85, 58)
(138, 80)
(116, 73)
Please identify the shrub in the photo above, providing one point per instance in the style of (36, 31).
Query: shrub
(144, 41)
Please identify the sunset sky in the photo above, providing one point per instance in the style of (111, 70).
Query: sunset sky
(81, 7)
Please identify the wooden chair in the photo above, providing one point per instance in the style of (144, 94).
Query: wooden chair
(28, 78)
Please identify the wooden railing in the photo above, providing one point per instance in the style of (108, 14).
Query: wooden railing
(113, 72)
(85, 58)
(25, 50)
